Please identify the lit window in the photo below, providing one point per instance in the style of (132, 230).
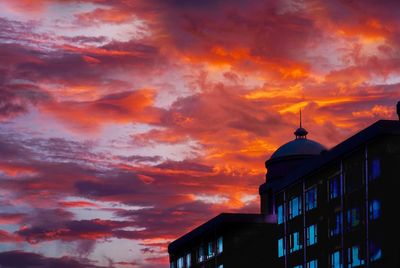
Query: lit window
(311, 199)
(353, 255)
(188, 260)
(374, 209)
(336, 224)
(220, 266)
(280, 213)
(281, 247)
(220, 245)
(172, 265)
(180, 262)
(295, 242)
(353, 218)
(312, 264)
(336, 260)
(311, 235)
(375, 169)
(210, 250)
(298, 266)
(375, 251)
(294, 207)
(334, 187)
(200, 254)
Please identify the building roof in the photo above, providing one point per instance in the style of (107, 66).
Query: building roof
(381, 127)
(218, 221)
(299, 147)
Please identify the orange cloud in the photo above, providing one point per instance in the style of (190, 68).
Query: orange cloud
(121, 107)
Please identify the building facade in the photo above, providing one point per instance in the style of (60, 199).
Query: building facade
(228, 240)
(319, 208)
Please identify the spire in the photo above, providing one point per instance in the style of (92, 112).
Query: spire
(300, 133)
(300, 117)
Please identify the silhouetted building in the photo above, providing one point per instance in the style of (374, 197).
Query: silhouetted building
(319, 208)
(228, 240)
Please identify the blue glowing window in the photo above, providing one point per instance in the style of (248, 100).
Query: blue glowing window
(353, 218)
(200, 255)
(336, 260)
(353, 257)
(280, 214)
(312, 264)
(188, 260)
(374, 209)
(375, 169)
(281, 247)
(180, 262)
(311, 235)
(294, 207)
(220, 245)
(311, 199)
(295, 242)
(334, 187)
(336, 224)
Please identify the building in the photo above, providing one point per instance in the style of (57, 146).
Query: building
(228, 240)
(319, 208)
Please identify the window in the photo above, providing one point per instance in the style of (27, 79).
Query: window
(354, 258)
(200, 254)
(334, 187)
(353, 218)
(311, 234)
(335, 225)
(335, 260)
(281, 247)
(188, 260)
(311, 199)
(298, 266)
(220, 266)
(295, 242)
(220, 245)
(210, 250)
(312, 264)
(375, 169)
(375, 251)
(280, 214)
(172, 265)
(294, 207)
(374, 209)
(180, 262)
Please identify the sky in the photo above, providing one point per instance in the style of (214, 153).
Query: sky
(125, 124)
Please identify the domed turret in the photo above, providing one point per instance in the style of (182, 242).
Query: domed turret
(300, 146)
(288, 156)
(284, 160)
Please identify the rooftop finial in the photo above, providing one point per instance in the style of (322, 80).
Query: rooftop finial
(300, 118)
(300, 133)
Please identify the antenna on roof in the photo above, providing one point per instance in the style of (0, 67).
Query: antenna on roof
(300, 117)
(301, 133)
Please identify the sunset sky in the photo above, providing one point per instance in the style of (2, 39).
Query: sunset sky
(126, 123)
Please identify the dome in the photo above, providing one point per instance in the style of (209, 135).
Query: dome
(299, 146)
